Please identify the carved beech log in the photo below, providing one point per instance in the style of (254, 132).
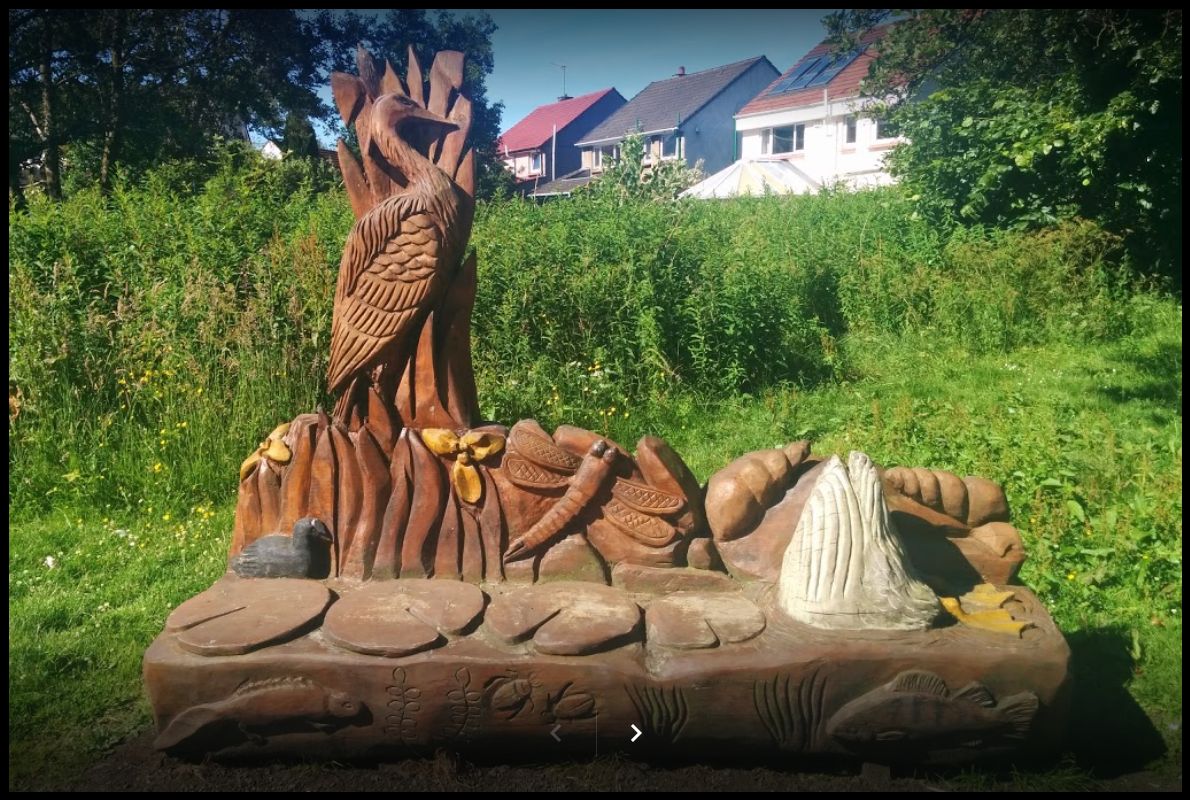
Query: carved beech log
(295, 482)
(269, 486)
(347, 492)
(418, 550)
(382, 422)
(448, 555)
(387, 563)
(323, 484)
(375, 482)
(414, 487)
(247, 524)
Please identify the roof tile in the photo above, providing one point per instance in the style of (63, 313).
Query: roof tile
(665, 104)
(845, 84)
(536, 129)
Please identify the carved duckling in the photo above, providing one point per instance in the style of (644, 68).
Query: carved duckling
(306, 554)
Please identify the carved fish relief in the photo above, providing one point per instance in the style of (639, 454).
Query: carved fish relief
(265, 703)
(917, 711)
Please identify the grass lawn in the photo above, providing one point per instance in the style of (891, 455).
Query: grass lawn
(1086, 440)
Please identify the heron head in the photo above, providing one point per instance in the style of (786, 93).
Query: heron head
(396, 113)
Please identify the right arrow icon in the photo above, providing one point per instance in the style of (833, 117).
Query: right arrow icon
(638, 733)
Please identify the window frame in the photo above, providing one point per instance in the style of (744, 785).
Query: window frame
(796, 139)
(882, 121)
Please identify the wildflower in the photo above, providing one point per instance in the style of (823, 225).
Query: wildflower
(163, 443)
(182, 424)
(50, 562)
(158, 467)
(1070, 576)
(198, 390)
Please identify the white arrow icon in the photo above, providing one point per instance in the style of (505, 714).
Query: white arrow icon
(638, 733)
(554, 732)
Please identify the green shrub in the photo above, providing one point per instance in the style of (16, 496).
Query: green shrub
(157, 334)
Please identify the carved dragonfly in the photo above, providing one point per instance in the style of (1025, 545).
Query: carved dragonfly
(535, 463)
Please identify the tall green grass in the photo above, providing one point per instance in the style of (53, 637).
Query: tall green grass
(155, 336)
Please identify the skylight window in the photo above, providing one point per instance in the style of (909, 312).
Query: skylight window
(817, 71)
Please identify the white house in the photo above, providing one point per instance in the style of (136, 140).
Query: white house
(813, 117)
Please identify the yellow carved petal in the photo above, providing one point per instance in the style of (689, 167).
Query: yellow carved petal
(483, 444)
(997, 620)
(985, 595)
(279, 431)
(249, 463)
(468, 484)
(277, 451)
(440, 440)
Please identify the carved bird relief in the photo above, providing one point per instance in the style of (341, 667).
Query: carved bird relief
(399, 256)
(412, 227)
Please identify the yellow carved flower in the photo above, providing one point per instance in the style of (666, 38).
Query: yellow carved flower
(468, 450)
(271, 448)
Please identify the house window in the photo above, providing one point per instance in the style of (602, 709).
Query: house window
(885, 129)
(670, 146)
(602, 157)
(788, 139)
(849, 125)
(537, 163)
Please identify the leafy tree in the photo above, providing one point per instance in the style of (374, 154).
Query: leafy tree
(1038, 115)
(138, 86)
(629, 177)
(298, 140)
(390, 38)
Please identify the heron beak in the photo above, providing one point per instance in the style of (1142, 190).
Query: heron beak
(429, 116)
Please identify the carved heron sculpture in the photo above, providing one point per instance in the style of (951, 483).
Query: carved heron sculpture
(399, 257)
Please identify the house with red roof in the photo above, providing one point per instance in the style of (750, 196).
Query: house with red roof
(812, 118)
(687, 117)
(541, 146)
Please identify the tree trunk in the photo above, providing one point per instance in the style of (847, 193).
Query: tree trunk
(14, 182)
(111, 136)
(53, 173)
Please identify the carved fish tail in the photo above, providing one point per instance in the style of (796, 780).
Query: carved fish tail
(1019, 710)
(184, 726)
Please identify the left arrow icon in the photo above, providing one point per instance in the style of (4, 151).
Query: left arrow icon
(554, 733)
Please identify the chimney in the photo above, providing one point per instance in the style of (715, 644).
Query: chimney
(681, 72)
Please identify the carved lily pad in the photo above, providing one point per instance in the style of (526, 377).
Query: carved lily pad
(565, 618)
(238, 615)
(690, 621)
(397, 618)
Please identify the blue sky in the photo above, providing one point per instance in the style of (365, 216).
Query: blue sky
(628, 49)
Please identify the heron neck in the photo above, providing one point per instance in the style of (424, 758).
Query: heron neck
(425, 178)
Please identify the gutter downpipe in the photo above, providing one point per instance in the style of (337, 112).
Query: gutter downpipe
(554, 153)
(827, 107)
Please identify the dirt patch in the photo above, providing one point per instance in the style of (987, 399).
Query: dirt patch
(134, 766)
